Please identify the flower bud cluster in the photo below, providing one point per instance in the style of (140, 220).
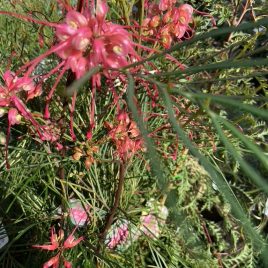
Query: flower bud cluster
(125, 135)
(171, 25)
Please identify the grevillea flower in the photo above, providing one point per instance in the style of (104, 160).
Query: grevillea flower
(14, 85)
(84, 40)
(9, 99)
(12, 104)
(125, 135)
(88, 40)
(56, 243)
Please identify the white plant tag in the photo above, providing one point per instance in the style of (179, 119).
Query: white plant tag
(3, 236)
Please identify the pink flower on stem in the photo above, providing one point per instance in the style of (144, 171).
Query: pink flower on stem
(54, 262)
(185, 13)
(56, 244)
(88, 41)
(15, 107)
(149, 226)
(84, 40)
(13, 117)
(125, 135)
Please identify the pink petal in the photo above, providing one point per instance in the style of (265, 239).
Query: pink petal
(46, 247)
(70, 242)
(13, 116)
(54, 262)
(25, 83)
(75, 19)
(35, 92)
(67, 264)
(101, 10)
(64, 31)
(9, 77)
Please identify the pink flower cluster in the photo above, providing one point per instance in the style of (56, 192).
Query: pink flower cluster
(119, 236)
(11, 94)
(125, 135)
(10, 101)
(87, 40)
(84, 40)
(171, 25)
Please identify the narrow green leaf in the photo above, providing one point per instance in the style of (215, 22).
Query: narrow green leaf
(151, 152)
(231, 101)
(81, 81)
(228, 64)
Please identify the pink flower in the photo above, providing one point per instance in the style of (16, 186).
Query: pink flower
(14, 85)
(78, 214)
(185, 14)
(54, 262)
(88, 41)
(149, 226)
(71, 242)
(55, 240)
(13, 116)
(9, 98)
(67, 264)
(125, 136)
(119, 235)
(101, 10)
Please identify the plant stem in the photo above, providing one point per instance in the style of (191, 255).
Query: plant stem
(141, 18)
(110, 216)
(79, 6)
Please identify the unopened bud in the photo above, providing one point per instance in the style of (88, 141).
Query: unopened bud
(78, 153)
(2, 112)
(3, 139)
(166, 41)
(88, 162)
(154, 22)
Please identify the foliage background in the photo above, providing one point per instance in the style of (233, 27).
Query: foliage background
(222, 108)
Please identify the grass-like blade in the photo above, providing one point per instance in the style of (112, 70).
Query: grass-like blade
(228, 64)
(151, 152)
